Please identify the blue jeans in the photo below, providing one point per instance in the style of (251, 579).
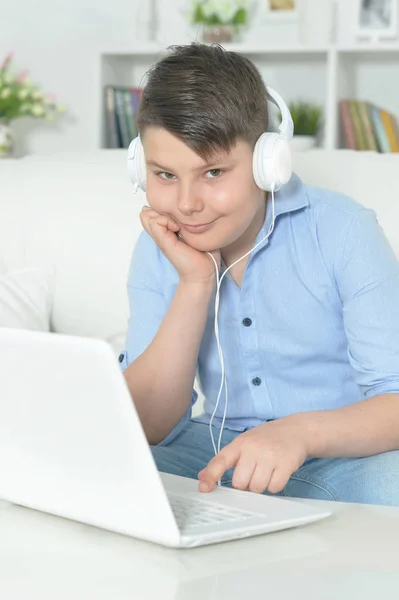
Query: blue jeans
(370, 480)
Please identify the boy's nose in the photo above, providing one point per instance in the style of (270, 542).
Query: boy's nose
(188, 201)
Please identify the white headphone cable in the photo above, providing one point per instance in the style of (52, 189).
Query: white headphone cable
(216, 328)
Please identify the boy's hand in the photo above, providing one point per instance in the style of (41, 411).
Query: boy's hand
(192, 265)
(264, 457)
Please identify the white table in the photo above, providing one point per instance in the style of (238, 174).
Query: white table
(353, 554)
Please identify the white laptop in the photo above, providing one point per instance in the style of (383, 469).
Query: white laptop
(71, 444)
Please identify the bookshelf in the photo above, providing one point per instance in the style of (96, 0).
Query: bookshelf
(322, 74)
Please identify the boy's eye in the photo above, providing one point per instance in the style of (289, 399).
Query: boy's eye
(165, 175)
(214, 173)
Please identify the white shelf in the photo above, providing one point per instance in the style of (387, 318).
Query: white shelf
(247, 49)
(323, 74)
(369, 49)
(149, 49)
(153, 49)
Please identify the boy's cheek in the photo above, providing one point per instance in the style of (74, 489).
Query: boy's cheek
(160, 197)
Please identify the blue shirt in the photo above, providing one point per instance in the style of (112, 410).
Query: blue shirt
(314, 326)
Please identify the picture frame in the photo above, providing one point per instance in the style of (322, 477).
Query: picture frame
(377, 19)
(284, 10)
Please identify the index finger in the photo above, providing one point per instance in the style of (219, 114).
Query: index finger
(217, 466)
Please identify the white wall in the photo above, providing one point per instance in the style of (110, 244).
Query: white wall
(60, 42)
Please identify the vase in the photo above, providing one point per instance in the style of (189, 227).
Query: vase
(218, 33)
(301, 143)
(6, 139)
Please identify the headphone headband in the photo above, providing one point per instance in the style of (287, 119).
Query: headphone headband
(286, 127)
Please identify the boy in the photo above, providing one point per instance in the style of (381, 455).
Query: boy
(309, 324)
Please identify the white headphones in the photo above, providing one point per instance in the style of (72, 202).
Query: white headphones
(272, 158)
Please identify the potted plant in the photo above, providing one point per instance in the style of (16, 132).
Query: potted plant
(19, 97)
(221, 19)
(307, 120)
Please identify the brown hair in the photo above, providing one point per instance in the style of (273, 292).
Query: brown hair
(205, 96)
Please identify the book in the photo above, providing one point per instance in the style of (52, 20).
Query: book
(395, 127)
(366, 126)
(121, 105)
(348, 129)
(387, 120)
(130, 115)
(120, 109)
(382, 139)
(112, 139)
(360, 136)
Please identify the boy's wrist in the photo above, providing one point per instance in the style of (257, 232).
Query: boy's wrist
(198, 288)
(311, 426)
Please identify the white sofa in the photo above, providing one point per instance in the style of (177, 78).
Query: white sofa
(78, 212)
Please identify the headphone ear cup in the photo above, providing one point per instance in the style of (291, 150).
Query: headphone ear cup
(272, 161)
(136, 164)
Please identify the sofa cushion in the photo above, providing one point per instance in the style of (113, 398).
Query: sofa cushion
(369, 177)
(26, 298)
(78, 211)
(80, 214)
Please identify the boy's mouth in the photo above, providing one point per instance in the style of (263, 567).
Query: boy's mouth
(198, 228)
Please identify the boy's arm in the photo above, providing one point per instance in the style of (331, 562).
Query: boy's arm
(368, 427)
(161, 379)
(167, 320)
(367, 278)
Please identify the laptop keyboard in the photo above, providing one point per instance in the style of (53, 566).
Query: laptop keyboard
(195, 513)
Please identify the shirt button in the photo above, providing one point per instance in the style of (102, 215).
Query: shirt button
(120, 358)
(247, 322)
(256, 381)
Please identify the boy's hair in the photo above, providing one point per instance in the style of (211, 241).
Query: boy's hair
(205, 96)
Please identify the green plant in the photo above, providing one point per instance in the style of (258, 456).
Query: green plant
(306, 117)
(19, 97)
(220, 12)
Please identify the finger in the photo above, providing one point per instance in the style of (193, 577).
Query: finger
(243, 472)
(145, 216)
(160, 227)
(166, 221)
(147, 210)
(148, 214)
(279, 479)
(260, 478)
(155, 220)
(222, 462)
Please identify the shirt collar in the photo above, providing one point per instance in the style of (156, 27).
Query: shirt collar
(290, 197)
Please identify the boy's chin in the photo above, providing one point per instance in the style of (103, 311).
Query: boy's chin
(200, 243)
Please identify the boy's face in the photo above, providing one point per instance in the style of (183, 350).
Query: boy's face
(216, 202)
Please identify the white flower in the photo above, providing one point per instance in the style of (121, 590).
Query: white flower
(37, 95)
(225, 10)
(23, 93)
(5, 93)
(209, 8)
(37, 110)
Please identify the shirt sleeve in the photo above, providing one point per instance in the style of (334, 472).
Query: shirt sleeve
(367, 276)
(148, 304)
